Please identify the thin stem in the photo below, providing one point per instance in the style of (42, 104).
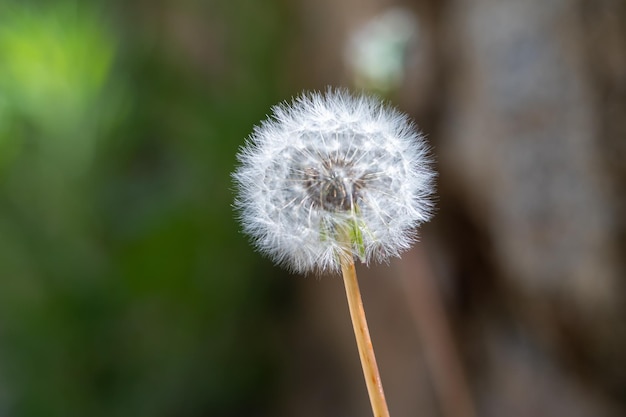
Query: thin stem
(363, 340)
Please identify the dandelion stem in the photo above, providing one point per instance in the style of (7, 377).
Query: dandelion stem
(363, 340)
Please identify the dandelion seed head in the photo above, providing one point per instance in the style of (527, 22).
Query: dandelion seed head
(330, 165)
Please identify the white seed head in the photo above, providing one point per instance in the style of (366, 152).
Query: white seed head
(333, 175)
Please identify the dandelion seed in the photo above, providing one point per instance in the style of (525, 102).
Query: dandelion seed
(332, 164)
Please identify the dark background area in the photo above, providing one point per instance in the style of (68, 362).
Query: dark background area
(126, 288)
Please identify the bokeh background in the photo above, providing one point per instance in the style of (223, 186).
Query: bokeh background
(126, 288)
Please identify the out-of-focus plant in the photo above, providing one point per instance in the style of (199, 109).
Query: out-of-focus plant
(56, 101)
(54, 65)
(123, 291)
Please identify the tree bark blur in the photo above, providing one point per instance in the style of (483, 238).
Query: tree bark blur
(524, 104)
(529, 140)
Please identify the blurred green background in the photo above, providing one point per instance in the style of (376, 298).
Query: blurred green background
(125, 288)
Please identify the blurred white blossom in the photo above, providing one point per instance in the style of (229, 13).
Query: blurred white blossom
(333, 175)
(376, 51)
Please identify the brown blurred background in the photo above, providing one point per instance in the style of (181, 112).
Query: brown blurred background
(126, 288)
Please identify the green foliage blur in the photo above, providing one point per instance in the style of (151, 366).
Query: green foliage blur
(125, 286)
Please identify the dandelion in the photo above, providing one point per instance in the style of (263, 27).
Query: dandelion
(329, 165)
(330, 178)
